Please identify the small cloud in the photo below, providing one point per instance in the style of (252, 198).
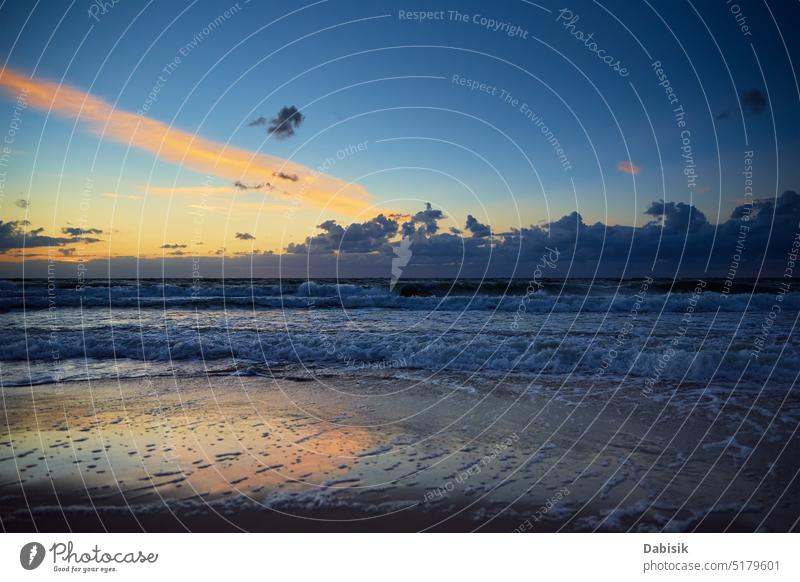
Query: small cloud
(67, 252)
(172, 246)
(245, 236)
(283, 124)
(242, 186)
(723, 115)
(628, 167)
(76, 231)
(285, 176)
(21, 203)
(753, 101)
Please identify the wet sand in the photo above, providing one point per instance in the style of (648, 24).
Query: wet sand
(379, 453)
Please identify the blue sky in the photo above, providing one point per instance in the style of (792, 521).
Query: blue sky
(360, 73)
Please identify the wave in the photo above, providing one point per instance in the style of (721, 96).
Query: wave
(422, 295)
(129, 352)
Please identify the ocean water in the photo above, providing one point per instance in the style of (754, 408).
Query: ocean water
(647, 333)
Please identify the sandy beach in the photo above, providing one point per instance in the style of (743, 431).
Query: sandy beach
(380, 452)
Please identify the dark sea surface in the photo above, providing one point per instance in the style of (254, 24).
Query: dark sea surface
(675, 330)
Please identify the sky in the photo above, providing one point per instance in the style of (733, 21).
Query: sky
(292, 139)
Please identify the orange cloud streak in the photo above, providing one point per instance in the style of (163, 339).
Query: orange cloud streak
(628, 167)
(186, 149)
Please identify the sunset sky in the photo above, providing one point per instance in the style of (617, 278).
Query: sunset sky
(154, 131)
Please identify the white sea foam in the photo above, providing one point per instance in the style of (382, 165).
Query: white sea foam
(131, 329)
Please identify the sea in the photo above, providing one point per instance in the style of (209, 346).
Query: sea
(651, 334)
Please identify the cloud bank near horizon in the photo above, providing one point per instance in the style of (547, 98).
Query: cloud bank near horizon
(760, 237)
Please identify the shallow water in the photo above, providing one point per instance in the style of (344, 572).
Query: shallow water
(259, 454)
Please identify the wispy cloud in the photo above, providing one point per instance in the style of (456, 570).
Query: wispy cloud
(184, 148)
(116, 196)
(189, 191)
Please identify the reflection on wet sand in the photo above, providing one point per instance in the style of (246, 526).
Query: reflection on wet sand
(152, 445)
(224, 453)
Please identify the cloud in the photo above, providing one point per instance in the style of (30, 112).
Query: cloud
(365, 237)
(284, 123)
(679, 239)
(116, 196)
(628, 167)
(21, 203)
(676, 216)
(172, 246)
(188, 191)
(678, 242)
(75, 231)
(476, 228)
(424, 222)
(753, 101)
(245, 236)
(285, 176)
(242, 186)
(187, 149)
(14, 236)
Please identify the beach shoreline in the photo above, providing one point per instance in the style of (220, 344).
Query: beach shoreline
(364, 452)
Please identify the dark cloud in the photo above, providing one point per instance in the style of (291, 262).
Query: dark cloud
(21, 203)
(753, 101)
(678, 240)
(284, 123)
(366, 237)
(14, 236)
(242, 186)
(284, 176)
(75, 231)
(172, 246)
(245, 236)
(476, 228)
(425, 222)
(676, 216)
